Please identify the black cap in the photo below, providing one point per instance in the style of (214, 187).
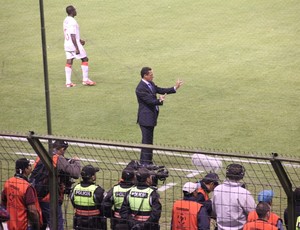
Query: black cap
(211, 177)
(127, 175)
(89, 170)
(58, 144)
(22, 164)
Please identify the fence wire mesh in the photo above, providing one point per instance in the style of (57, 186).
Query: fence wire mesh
(183, 165)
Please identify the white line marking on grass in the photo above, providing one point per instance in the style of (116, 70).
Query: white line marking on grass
(121, 163)
(33, 154)
(25, 154)
(192, 174)
(168, 153)
(165, 187)
(186, 170)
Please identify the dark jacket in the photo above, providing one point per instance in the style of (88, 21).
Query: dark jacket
(147, 111)
(201, 199)
(297, 210)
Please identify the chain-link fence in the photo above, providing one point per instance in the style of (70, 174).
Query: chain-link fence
(270, 172)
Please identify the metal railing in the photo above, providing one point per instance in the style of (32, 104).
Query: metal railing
(263, 171)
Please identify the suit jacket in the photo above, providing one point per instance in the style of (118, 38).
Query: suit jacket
(148, 103)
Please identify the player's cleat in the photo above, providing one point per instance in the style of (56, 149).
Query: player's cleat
(70, 85)
(89, 83)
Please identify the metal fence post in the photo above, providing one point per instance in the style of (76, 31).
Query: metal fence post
(287, 187)
(46, 158)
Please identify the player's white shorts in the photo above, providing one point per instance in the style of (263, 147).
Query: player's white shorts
(72, 54)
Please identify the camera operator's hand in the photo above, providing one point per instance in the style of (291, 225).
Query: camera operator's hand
(73, 159)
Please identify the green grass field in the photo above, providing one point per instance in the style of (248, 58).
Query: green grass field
(240, 61)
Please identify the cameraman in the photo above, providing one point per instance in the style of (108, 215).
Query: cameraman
(141, 206)
(86, 198)
(65, 169)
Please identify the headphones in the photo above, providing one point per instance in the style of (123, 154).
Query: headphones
(235, 171)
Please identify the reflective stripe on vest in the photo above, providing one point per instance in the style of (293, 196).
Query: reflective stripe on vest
(81, 212)
(185, 214)
(140, 218)
(139, 202)
(83, 198)
(117, 215)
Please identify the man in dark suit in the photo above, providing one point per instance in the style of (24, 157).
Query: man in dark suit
(149, 108)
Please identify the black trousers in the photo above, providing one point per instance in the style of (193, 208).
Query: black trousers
(147, 138)
(118, 224)
(89, 223)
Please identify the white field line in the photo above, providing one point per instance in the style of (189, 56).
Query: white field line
(157, 152)
(166, 186)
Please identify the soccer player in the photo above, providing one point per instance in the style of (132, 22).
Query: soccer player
(74, 49)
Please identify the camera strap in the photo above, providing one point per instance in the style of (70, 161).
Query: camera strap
(139, 208)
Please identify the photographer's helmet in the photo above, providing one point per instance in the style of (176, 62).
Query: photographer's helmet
(235, 172)
(88, 171)
(58, 144)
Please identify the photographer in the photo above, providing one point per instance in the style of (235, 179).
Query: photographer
(141, 206)
(66, 169)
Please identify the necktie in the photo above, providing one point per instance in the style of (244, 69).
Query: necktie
(150, 87)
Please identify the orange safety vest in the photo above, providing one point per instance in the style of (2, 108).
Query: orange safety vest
(259, 225)
(185, 214)
(274, 218)
(201, 190)
(54, 161)
(15, 191)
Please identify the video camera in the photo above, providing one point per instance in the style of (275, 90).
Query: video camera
(68, 182)
(160, 174)
(157, 172)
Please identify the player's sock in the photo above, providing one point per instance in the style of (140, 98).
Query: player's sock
(85, 71)
(68, 70)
